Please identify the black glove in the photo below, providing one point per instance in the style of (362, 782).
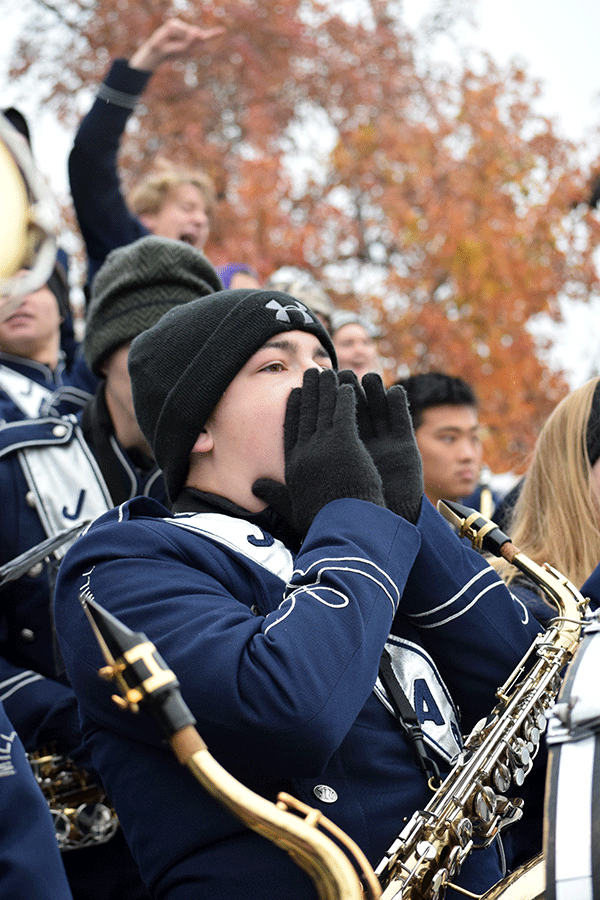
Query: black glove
(276, 495)
(385, 427)
(325, 459)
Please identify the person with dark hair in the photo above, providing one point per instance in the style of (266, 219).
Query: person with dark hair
(299, 547)
(444, 412)
(58, 472)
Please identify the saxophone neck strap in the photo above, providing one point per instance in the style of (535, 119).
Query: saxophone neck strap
(408, 720)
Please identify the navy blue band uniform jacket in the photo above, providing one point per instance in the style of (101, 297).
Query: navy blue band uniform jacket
(30, 390)
(48, 473)
(30, 863)
(277, 657)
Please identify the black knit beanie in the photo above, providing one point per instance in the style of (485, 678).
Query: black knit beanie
(592, 436)
(136, 285)
(181, 367)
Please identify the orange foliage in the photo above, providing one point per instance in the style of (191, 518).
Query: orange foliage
(445, 205)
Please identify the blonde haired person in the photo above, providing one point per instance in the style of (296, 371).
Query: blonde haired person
(149, 198)
(556, 518)
(171, 202)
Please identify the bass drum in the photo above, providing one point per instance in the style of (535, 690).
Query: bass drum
(572, 812)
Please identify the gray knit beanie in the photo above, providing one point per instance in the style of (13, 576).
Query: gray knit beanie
(181, 367)
(136, 285)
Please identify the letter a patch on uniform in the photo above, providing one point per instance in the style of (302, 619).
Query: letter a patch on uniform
(423, 685)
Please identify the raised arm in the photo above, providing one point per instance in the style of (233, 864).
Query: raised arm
(172, 40)
(102, 213)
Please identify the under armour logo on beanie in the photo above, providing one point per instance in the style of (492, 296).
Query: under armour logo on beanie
(182, 365)
(283, 312)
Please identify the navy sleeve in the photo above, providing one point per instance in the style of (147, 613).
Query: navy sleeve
(42, 710)
(30, 863)
(281, 670)
(103, 216)
(591, 588)
(539, 608)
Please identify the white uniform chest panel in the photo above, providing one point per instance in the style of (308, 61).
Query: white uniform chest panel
(242, 537)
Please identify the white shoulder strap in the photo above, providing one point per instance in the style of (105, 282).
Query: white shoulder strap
(66, 483)
(23, 391)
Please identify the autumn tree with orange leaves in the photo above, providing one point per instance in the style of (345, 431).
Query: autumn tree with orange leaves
(438, 201)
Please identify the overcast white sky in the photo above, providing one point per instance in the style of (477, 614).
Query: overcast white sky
(558, 40)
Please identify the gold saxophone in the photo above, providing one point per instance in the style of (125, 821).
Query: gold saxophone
(467, 811)
(470, 807)
(311, 840)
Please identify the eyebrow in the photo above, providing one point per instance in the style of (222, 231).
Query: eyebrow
(280, 344)
(291, 346)
(456, 430)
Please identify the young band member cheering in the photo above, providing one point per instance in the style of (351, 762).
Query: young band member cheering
(298, 547)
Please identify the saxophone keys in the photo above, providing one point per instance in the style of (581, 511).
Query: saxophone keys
(463, 832)
(523, 753)
(62, 828)
(438, 884)
(94, 819)
(532, 733)
(540, 719)
(484, 804)
(520, 760)
(519, 776)
(454, 861)
(425, 851)
(556, 684)
(501, 777)
(510, 811)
